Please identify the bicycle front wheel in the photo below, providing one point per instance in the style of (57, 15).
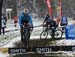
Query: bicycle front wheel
(58, 34)
(44, 35)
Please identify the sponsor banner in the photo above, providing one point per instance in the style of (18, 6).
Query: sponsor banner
(17, 50)
(53, 49)
(47, 49)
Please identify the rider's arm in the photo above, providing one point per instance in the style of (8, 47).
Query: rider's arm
(30, 20)
(45, 19)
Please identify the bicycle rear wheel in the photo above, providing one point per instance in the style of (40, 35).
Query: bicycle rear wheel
(58, 34)
(44, 35)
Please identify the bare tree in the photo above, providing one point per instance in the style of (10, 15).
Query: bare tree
(1, 2)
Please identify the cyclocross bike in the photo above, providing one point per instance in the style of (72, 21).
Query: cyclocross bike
(26, 35)
(47, 33)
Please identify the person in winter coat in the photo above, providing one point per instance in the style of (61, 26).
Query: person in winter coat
(3, 23)
(15, 20)
(25, 17)
(64, 22)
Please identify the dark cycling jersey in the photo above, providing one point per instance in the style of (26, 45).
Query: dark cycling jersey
(51, 23)
(24, 21)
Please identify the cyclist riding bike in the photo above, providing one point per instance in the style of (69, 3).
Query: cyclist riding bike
(50, 23)
(24, 17)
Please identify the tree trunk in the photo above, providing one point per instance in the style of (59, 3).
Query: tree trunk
(1, 2)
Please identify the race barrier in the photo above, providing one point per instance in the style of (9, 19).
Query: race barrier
(33, 27)
(46, 49)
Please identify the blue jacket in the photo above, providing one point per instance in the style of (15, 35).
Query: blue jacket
(70, 32)
(64, 20)
(23, 17)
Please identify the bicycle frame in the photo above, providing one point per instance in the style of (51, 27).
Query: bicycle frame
(26, 35)
(47, 31)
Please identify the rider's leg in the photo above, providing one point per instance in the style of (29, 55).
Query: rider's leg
(52, 32)
(29, 33)
(29, 37)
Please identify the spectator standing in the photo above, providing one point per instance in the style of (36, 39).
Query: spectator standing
(3, 25)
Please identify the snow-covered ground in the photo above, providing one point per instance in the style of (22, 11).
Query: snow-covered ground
(36, 32)
(35, 35)
(4, 55)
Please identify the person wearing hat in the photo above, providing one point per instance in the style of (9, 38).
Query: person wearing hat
(25, 17)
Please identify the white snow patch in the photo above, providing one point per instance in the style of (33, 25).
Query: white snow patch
(66, 42)
(3, 55)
